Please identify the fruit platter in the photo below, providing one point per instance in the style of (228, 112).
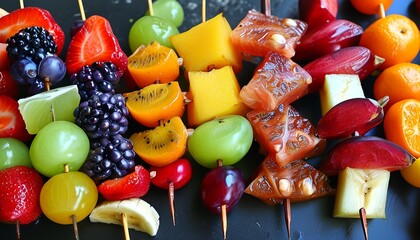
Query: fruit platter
(181, 119)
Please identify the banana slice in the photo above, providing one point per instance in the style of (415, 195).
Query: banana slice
(141, 216)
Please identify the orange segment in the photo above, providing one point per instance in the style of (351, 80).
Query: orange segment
(156, 102)
(395, 38)
(370, 7)
(153, 63)
(163, 144)
(402, 125)
(399, 82)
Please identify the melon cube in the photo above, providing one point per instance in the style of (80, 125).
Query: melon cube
(213, 94)
(208, 45)
(337, 88)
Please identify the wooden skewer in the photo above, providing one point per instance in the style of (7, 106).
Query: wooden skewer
(17, 230)
(363, 219)
(171, 196)
(265, 7)
(125, 226)
(82, 10)
(21, 4)
(381, 10)
(73, 217)
(224, 221)
(287, 215)
(149, 3)
(203, 10)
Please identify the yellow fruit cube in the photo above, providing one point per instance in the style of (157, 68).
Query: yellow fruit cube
(213, 94)
(207, 46)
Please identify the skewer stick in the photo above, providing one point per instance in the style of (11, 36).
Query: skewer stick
(73, 217)
(21, 4)
(203, 10)
(171, 196)
(381, 10)
(149, 3)
(266, 7)
(287, 215)
(224, 221)
(82, 10)
(362, 213)
(125, 226)
(17, 230)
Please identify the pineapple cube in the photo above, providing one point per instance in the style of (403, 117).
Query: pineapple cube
(213, 94)
(207, 46)
(359, 188)
(339, 87)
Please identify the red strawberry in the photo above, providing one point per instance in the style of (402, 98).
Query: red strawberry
(4, 59)
(19, 195)
(134, 185)
(95, 42)
(11, 121)
(8, 86)
(29, 17)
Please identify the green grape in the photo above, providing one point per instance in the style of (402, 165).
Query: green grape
(151, 28)
(57, 144)
(67, 194)
(170, 10)
(13, 152)
(228, 138)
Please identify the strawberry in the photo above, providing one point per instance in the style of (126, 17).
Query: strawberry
(29, 17)
(11, 121)
(95, 42)
(19, 195)
(8, 86)
(4, 59)
(133, 185)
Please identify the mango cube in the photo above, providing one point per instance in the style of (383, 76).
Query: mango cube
(207, 46)
(213, 94)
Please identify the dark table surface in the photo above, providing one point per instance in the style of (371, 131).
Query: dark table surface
(250, 219)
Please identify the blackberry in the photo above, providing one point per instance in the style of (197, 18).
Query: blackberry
(33, 43)
(99, 77)
(102, 115)
(108, 158)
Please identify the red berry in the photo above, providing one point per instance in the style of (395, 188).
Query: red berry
(95, 42)
(11, 23)
(133, 185)
(11, 121)
(4, 59)
(178, 172)
(8, 85)
(19, 195)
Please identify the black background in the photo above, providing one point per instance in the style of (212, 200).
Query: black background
(250, 219)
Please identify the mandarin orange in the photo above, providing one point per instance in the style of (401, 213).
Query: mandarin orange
(395, 38)
(402, 125)
(370, 7)
(399, 82)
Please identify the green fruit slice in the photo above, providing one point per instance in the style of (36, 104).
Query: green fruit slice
(57, 104)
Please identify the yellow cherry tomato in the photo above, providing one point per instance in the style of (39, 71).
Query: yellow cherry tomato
(411, 174)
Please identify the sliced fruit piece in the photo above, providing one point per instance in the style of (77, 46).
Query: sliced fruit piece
(163, 144)
(359, 188)
(11, 121)
(207, 46)
(349, 60)
(257, 34)
(153, 63)
(133, 185)
(95, 42)
(29, 17)
(338, 88)
(411, 173)
(43, 108)
(19, 195)
(155, 103)
(141, 216)
(317, 12)
(297, 181)
(277, 80)
(365, 152)
(286, 134)
(356, 115)
(327, 38)
(213, 94)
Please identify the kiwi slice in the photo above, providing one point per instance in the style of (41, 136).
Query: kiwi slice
(163, 144)
(156, 103)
